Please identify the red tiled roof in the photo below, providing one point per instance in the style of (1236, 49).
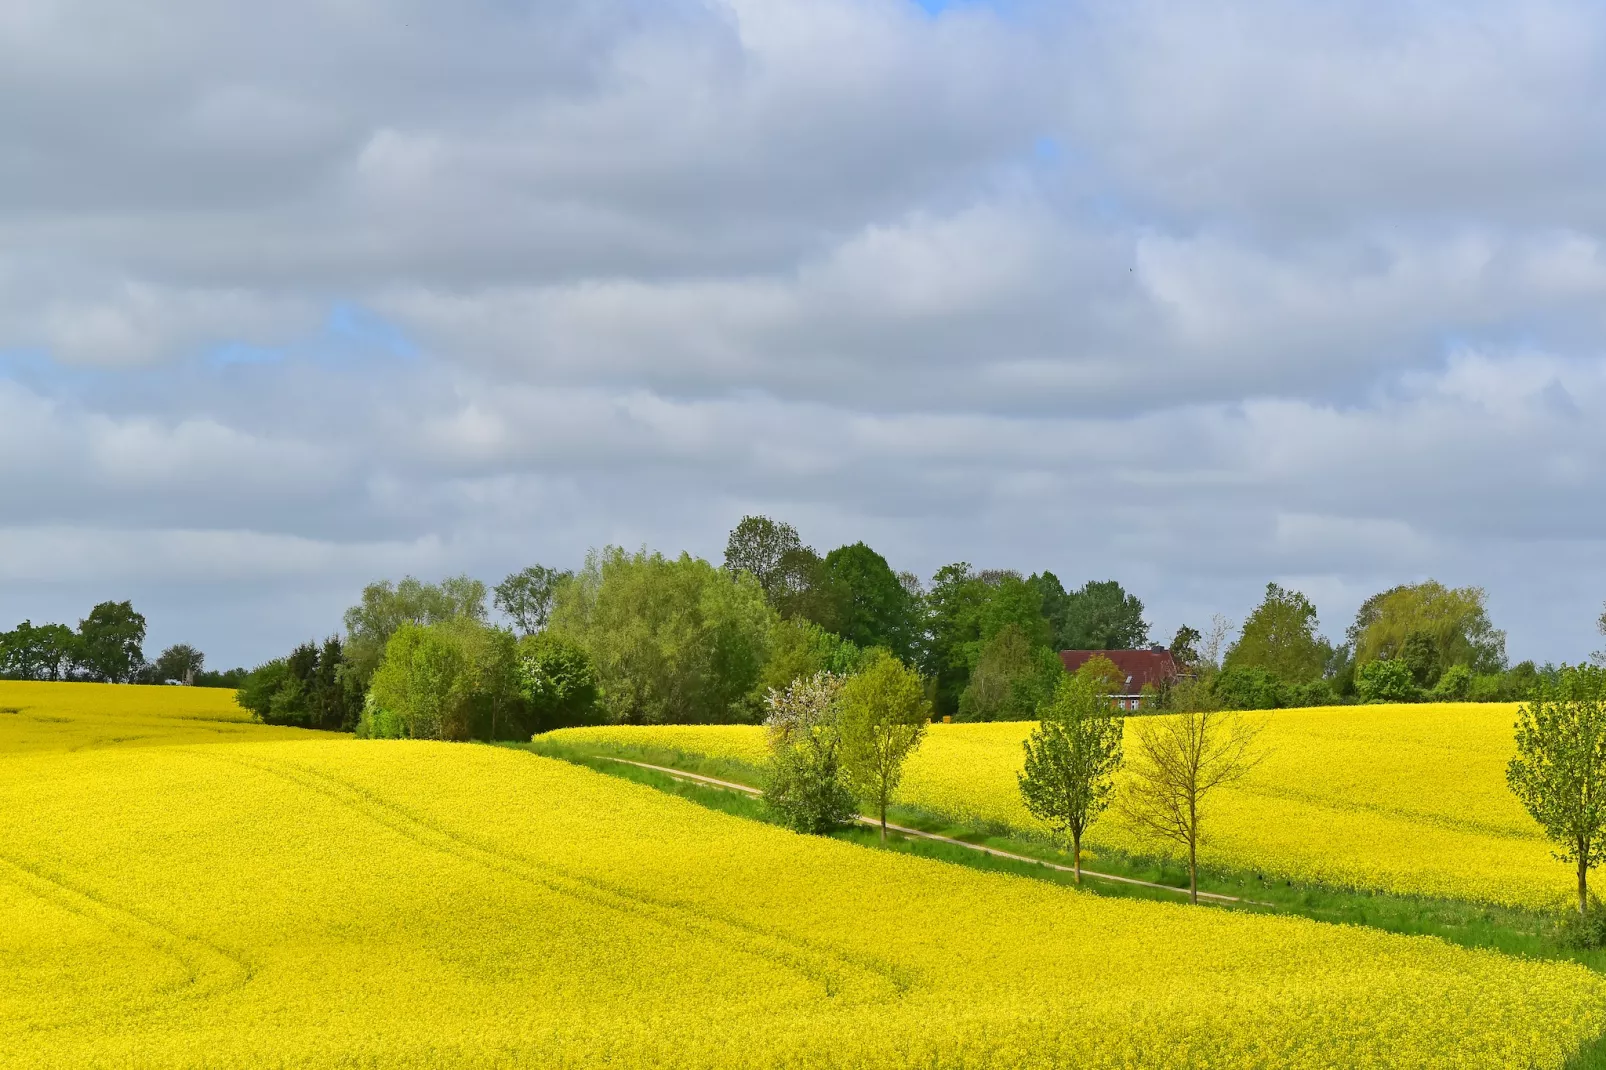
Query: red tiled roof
(1141, 667)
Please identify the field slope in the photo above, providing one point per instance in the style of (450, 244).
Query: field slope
(1407, 799)
(330, 902)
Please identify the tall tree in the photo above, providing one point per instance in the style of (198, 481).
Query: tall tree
(1280, 637)
(1071, 759)
(673, 640)
(422, 689)
(1559, 773)
(386, 606)
(1180, 761)
(110, 642)
(759, 547)
(882, 719)
(1101, 615)
(1449, 626)
(966, 612)
(179, 662)
(527, 594)
(876, 609)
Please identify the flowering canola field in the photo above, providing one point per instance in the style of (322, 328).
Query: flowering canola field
(331, 902)
(46, 716)
(1408, 799)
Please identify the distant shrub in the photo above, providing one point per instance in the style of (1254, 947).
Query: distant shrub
(1486, 687)
(1455, 685)
(1387, 680)
(1249, 689)
(1315, 693)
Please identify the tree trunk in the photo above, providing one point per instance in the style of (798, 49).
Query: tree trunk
(1193, 867)
(883, 821)
(1076, 855)
(1583, 881)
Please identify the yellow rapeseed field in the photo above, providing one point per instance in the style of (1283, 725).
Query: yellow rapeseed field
(400, 904)
(46, 716)
(1405, 799)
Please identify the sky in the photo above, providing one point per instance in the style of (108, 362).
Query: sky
(301, 295)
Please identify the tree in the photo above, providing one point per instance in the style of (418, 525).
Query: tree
(492, 678)
(385, 607)
(1011, 679)
(1559, 773)
(179, 662)
(882, 720)
(803, 786)
(1180, 760)
(1100, 615)
(1071, 759)
(309, 688)
(760, 547)
(527, 595)
(110, 642)
(1185, 648)
(38, 652)
(800, 648)
(1454, 620)
(422, 688)
(1280, 637)
(1249, 688)
(876, 609)
(673, 640)
(1388, 680)
(965, 612)
(558, 680)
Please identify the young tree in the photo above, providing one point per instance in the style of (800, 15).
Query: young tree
(1071, 759)
(1280, 637)
(882, 720)
(179, 662)
(527, 595)
(110, 642)
(1559, 773)
(803, 786)
(1180, 760)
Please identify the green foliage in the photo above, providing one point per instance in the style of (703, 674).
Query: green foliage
(1420, 653)
(882, 718)
(1185, 647)
(1559, 772)
(1100, 615)
(422, 688)
(38, 652)
(180, 662)
(310, 689)
(800, 648)
(385, 607)
(1313, 693)
(967, 611)
(1487, 687)
(1011, 679)
(526, 596)
(875, 608)
(1280, 637)
(672, 640)
(1582, 931)
(558, 682)
(1389, 680)
(109, 642)
(767, 550)
(1454, 620)
(1249, 688)
(802, 785)
(1455, 685)
(1071, 758)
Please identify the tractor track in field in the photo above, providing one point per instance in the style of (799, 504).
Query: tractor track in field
(904, 830)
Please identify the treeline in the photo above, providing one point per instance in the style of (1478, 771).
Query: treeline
(642, 638)
(106, 647)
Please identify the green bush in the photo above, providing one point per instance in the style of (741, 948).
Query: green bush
(1583, 932)
(1387, 680)
(1455, 685)
(558, 682)
(1249, 689)
(1315, 693)
(1486, 687)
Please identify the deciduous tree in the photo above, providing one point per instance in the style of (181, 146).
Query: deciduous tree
(110, 642)
(882, 720)
(1559, 773)
(526, 596)
(1071, 759)
(1101, 615)
(803, 784)
(1178, 761)
(1280, 637)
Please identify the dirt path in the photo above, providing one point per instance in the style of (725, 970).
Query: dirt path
(731, 785)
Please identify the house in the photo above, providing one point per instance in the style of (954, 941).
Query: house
(1154, 667)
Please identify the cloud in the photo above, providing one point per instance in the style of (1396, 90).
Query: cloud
(1192, 297)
